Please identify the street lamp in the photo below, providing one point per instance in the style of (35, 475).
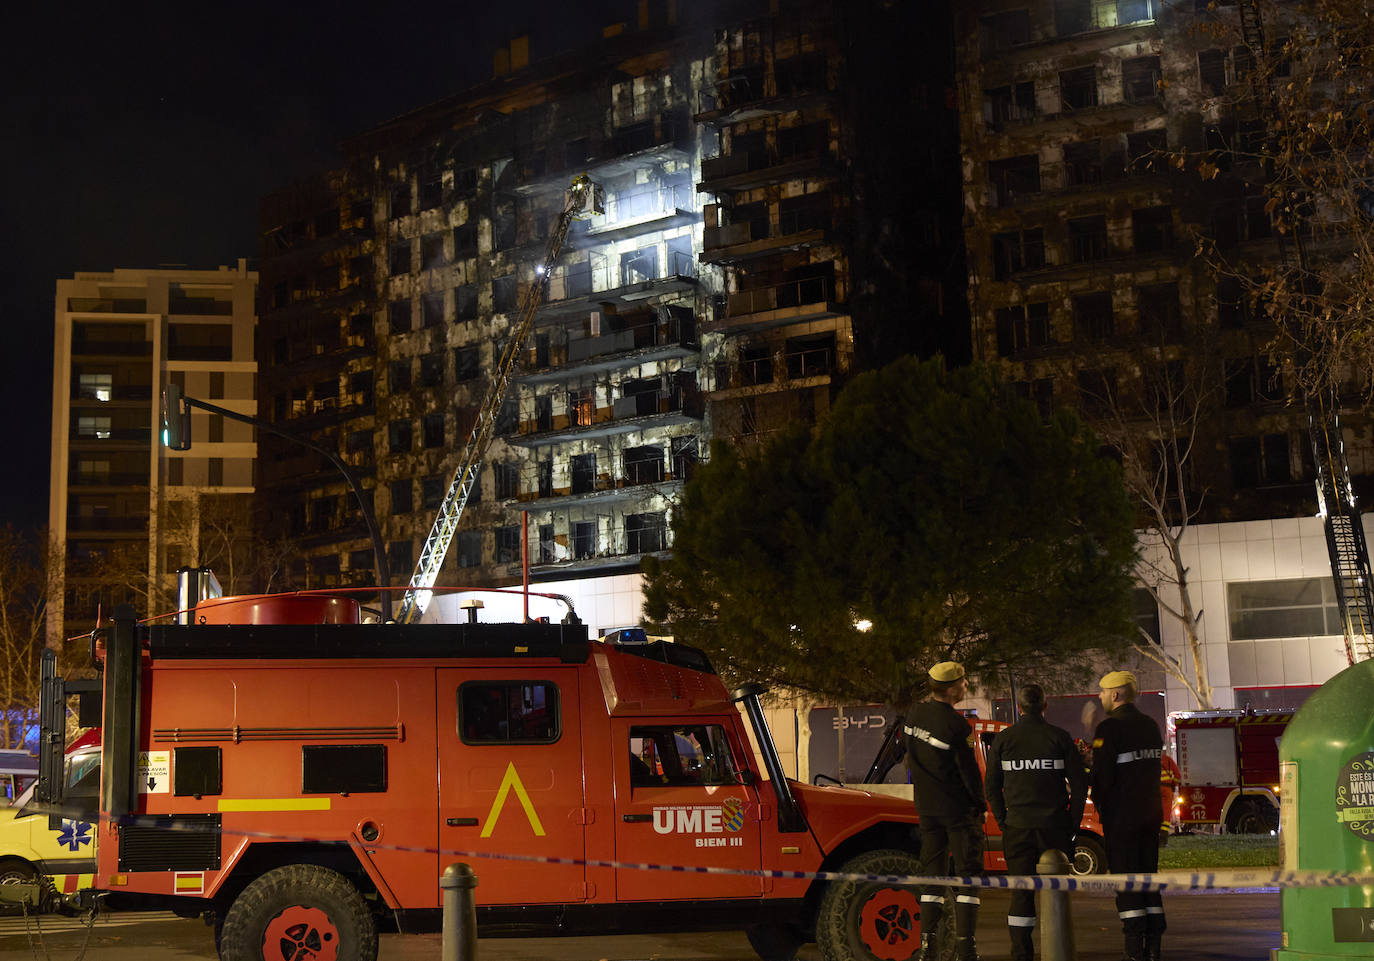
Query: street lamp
(176, 435)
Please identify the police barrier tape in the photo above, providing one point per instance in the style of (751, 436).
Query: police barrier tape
(1236, 880)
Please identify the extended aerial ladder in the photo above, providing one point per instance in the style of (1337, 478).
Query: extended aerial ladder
(1336, 502)
(583, 199)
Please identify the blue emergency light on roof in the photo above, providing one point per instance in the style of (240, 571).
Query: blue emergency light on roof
(626, 635)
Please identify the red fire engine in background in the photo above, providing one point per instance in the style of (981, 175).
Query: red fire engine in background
(1228, 768)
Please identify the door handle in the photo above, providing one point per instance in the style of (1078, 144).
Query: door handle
(634, 818)
(460, 822)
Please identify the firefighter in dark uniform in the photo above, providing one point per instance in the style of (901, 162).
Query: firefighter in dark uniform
(1127, 748)
(949, 800)
(1037, 787)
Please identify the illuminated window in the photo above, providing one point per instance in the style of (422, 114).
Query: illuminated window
(96, 386)
(97, 427)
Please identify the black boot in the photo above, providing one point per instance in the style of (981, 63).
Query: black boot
(930, 946)
(1152, 945)
(965, 949)
(1022, 944)
(1135, 947)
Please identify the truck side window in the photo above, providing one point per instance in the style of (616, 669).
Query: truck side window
(508, 712)
(680, 755)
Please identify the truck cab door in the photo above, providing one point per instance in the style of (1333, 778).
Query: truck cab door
(510, 781)
(679, 801)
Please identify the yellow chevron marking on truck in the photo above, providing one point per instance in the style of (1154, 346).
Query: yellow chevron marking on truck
(512, 780)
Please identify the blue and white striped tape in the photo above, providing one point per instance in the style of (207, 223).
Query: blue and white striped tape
(1238, 880)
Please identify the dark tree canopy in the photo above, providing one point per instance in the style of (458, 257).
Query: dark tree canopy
(929, 503)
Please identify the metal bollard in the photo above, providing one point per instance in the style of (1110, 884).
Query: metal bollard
(459, 939)
(1056, 921)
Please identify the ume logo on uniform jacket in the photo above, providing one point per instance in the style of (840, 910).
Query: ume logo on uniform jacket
(1144, 754)
(1034, 764)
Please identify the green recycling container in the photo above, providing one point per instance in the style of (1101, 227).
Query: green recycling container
(1326, 819)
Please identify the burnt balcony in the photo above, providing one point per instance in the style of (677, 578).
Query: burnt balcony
(750, 239)
(582, 419)
(579, 539)
(761, 167)
(540, 492)
(786, 371)
(574, 288)
(635, 146)
(752, 92)
(639, 211)
(796, 301)
(670, 335)
(77, 524)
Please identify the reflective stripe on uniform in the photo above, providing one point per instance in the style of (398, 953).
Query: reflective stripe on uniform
(1034, 764)
(968, 899)
(1136, 913)
(933, 898)
(921, 734)
(1145, 754)
(1154, 909)
(1020, 921)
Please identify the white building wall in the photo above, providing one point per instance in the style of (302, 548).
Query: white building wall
(1221, 554)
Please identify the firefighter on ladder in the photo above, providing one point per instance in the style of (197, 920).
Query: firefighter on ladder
(1037, 789)
(1127, 748)
(949, 800)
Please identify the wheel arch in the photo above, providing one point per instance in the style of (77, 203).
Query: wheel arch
(1246, 796)
(899, 835)
(259, 858)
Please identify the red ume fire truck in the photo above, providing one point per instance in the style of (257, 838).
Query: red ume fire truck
(297, 777)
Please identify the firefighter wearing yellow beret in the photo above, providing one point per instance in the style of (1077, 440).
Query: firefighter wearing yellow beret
(1127, 752)
(949, 800)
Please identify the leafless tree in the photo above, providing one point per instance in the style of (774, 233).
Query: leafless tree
(1293, 135)
(1158, 416)
(25, 569)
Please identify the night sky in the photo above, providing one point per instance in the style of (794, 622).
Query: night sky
(140, 144)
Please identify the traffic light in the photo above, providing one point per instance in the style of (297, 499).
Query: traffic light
(176, 420)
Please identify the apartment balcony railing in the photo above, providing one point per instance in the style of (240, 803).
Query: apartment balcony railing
(75, 522)
(102, 434)
(792, 230)
(111, 348)
(573, 286)
(757, 168)
(602, 488)
(764, 371)
(638, 211)
(577, 542)
(651, 340)
(581, 418)
(810, 298)
(108, 479)
(107, 305)
(112, 394)
(752, 92)
(200, 307)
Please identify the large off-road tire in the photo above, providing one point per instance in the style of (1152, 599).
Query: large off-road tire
(774, 941)
(872, 921)
(1089, 855)
(300, 912)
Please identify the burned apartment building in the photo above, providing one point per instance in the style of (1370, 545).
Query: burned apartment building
(1083, 235)
(715, 296)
